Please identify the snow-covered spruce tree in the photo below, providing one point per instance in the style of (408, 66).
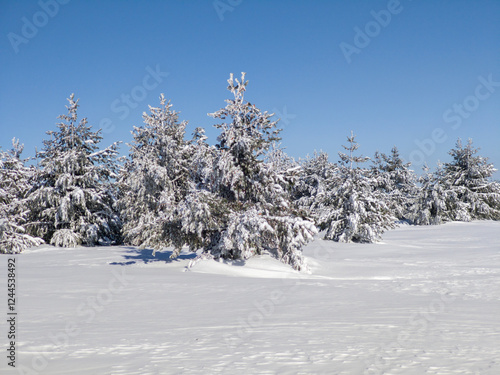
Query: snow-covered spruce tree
(14, 184)
(311, 185)
(352, 209)
(242, 208)
(279, 160)
(461, 190)
(156, 178)
(471, 193)
(429, 206)
(72, 201)
(288, 171)
(202, 160)
(396, 181)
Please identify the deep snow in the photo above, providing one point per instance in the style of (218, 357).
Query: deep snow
(424, 301)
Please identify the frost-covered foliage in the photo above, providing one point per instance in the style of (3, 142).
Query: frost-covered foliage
(460, 190)
(14, 184)
(312, 182)
(429, 207)
(396, 181)
(73, 196)
(280, 161)
(66, 238)
(351, 208)
(156, 179)
(472, 194)
(242, 205)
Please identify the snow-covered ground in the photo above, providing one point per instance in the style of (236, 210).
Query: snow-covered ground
(425, 301)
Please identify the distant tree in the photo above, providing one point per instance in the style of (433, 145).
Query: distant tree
(429, 206)
(243, 207)
(472, 193)
(352, 209)
(461, 190)
(72, 201)
(15, 182)
(311, 186)
(278, 159)
(396, 181)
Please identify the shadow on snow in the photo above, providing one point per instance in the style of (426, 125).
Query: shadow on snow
(135, 255)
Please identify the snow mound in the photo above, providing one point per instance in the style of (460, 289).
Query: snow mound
(263, 266)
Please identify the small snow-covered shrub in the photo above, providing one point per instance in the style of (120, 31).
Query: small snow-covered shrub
(66, 238)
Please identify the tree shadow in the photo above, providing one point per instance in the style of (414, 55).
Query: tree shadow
(134, 255)
(238, 262)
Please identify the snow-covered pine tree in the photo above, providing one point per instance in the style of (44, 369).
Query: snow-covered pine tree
(156, 178)
(460, 190)
(287, 170)
(72, 201)
(14, 184)
(242, 209)
(311, 185)
(202, 160)
(429, 206)
(396, 181)
(472, 194)
(279, 160)
(352, 209)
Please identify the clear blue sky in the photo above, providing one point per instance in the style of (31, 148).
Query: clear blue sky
(430, 59)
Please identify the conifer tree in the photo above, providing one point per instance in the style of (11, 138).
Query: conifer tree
(278, 159)
(15, 180)
(72, 201)
(429, 207)
(352, 209)
(460, 190)
(396, 181)
(244, 208)
(472, 194)
(311, 186)
(156, 179)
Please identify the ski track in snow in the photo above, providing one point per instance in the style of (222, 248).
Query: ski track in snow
(425, 301)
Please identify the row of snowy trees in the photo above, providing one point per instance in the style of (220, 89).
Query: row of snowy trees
(241, 197)
(359, 204)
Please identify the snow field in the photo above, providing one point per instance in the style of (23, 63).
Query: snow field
(425, 301)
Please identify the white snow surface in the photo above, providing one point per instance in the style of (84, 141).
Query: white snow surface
(424, 301)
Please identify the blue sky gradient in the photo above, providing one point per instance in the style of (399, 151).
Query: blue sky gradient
(423, 72)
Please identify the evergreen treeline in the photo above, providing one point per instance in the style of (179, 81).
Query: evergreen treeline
(238, 198)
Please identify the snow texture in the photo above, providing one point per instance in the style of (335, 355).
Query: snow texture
(424, 301)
